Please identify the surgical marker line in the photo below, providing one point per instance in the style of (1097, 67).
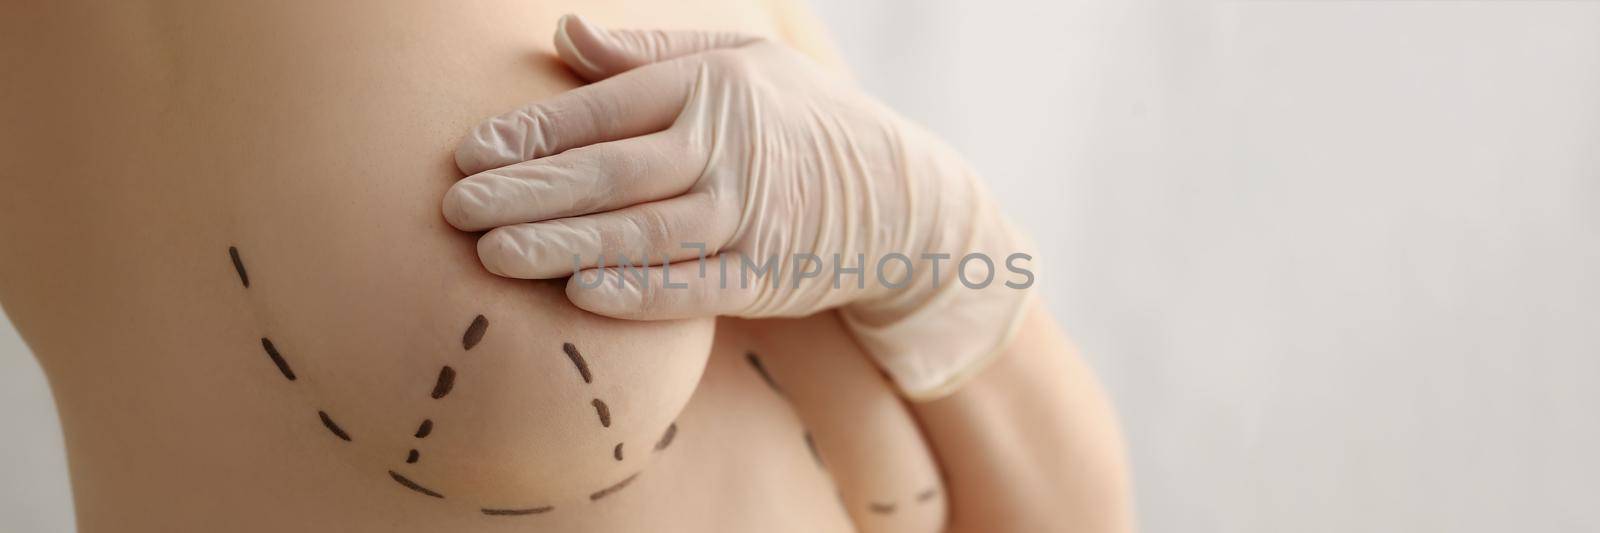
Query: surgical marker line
(277, 359)
(577, 360)
(518, 512)
(447, 380)
(755, 362)
(614, 488)
(328, 423)
(666, 438)
(408, 483)
(604, 412)
(238, 265)
(474, 332)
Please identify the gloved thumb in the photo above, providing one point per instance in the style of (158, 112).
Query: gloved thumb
(596, 53)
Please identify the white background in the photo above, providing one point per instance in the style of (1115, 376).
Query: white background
(1337, 261)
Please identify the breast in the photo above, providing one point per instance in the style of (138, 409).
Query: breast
(304, 147)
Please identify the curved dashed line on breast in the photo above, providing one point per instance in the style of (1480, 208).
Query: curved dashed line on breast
(517, 512)
(444, 384)
(333, 427)
(238, 266)
(277, 358)
(408, 483)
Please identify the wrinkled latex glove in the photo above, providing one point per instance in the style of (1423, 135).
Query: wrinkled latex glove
(719, 154)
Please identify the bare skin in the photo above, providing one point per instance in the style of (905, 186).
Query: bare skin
(146, 140)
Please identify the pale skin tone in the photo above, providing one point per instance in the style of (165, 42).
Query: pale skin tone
(144, 141)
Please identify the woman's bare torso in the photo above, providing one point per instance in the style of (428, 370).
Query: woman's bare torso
(191, 183)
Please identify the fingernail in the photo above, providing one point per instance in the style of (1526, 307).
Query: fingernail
(568, 48)
(583, 22)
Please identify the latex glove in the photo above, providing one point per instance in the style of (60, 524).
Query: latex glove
(746, 147)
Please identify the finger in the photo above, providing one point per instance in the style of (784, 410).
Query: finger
(641, 101)
(691, 288)
(596, 53)
(601, 177)
(642, 234)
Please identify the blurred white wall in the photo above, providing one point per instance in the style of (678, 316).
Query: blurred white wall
(1338, 261)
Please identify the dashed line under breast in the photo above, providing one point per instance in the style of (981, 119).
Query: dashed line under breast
(408, 483)
(446, 381)
(518, 512)
(666, 437)
(755, 362)
(277, 358)
(333, 427)
(238, 266)
(474, 332)
(614, 488)
(577, 361)
(601, 410)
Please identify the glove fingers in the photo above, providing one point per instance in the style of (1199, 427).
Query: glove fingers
(582, 181)
(638, 102)
(641, 234)
(596, 53)
(678, 290)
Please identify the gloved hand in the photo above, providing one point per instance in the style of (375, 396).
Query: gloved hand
(744, 147)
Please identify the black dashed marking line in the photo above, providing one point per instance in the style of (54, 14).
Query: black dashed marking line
(617, 452)
(474, 332)
(614, 488)
(238, 265)
(666, 438)
(277, 359)
(411, 458)
(518, 512)
(328, 423)
(603, 411)
(447, 380)
(408, 483)
(811, 444)
(424, 429)
(577, 360)
(924, 496)
(881, 508)
(755, 362)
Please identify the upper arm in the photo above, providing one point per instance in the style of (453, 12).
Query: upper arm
(800, 28)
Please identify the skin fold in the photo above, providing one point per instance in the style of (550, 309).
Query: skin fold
(146, 139)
